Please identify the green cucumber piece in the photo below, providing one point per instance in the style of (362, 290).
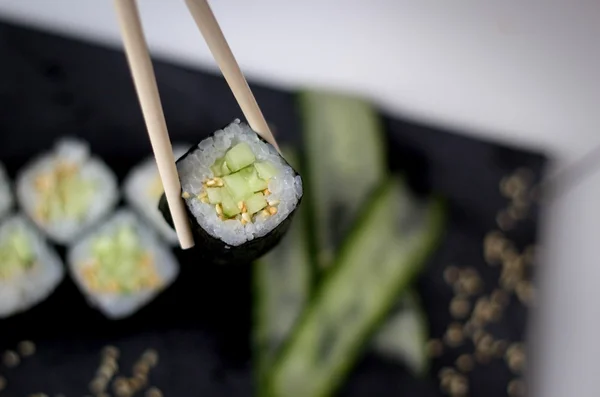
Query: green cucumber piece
(230, 207)
(255, 183)
(237, 186)
(404, 336)
(265, 170)
(217, 167)
(255, 203)
(345, 163)
(239, 156)
(214, 195)
(387, 246)
(282, 285)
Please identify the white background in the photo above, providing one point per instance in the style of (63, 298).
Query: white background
(526, 73)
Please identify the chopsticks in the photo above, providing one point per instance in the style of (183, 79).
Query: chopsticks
(213, 35)
(140, 64)
(144, 80)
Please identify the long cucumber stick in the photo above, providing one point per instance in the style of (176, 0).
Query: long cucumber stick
(345, 162)
(380, 258)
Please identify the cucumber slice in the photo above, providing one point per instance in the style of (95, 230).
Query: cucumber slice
(345, 163)
(255, 203)
(255, 183)
(387, 247)
(230, 207)
(214, 195)
(239, 156)
(217, 167)
(237, 186)
(282, 283)
(404, 336)
(265, 170)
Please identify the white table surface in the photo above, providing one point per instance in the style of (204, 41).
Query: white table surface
(516, 72)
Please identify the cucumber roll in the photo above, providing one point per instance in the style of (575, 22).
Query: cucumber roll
(30, 270)
(122, 266)
(6, 198)
(143, 188)
(67, 190)
(240, 194)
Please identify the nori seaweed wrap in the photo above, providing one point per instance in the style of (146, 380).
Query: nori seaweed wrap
(240, 194)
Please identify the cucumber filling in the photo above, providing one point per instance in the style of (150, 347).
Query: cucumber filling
(16, 255)
(120, 264)
(240, 186)
(63, 193)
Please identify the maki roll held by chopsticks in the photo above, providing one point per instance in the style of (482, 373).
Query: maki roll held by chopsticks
(240, 193)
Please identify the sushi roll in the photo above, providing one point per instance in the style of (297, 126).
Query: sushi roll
(6, 197)
(30, 270)
(143, 189)
(67, 191)
(121, 266)
(240, 194)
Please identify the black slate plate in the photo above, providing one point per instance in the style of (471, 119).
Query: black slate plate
(51, 87)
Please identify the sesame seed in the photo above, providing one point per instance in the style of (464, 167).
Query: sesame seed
(446, 375)
(97, 385)
(499, 297)
(516, 388)
(186, 195)
(435, 348)
(451, 274)
(141, 367)
(512, 186)
(460, 307)
(454, 335)
(240, 205)
(110, 351)
(211, 182)
(464, 363)
(150, 356)
(219, 209)
(26, 348)
(246, 217)
(515, 357)
(203, 194)
(274, 202)
(459, 386)
(266, 192)
(153, 392)
(272, 210)
(11, 359)
(265, 212)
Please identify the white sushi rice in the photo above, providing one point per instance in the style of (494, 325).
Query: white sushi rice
(136, 191)
(286, 187)
(66, 230)
(29, 288)
(6, 195)
(114, 305)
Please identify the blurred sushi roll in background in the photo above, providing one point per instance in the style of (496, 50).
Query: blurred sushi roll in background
(66, 191)
(121, 266)
(6, 196)
(30, 270)
(142, 191)
(240, 193)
